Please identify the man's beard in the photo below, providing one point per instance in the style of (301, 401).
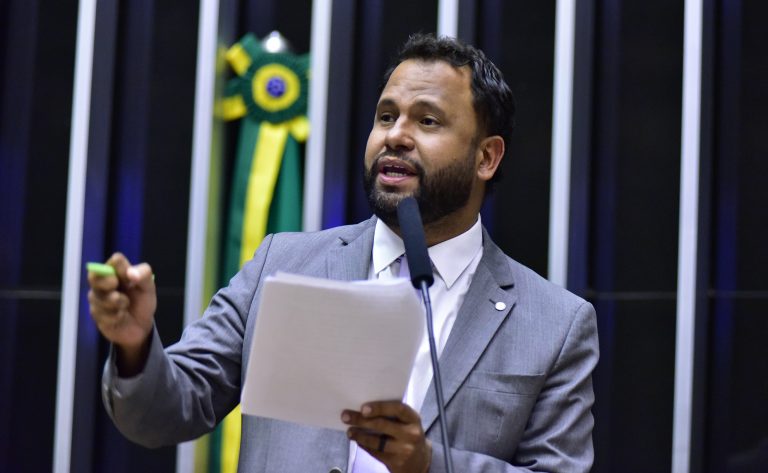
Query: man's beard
(439, 194)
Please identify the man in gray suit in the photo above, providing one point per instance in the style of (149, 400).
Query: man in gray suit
(516, 351)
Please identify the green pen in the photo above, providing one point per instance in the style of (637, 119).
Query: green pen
(100, 269)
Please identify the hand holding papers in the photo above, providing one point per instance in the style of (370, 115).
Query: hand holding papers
(322, 346)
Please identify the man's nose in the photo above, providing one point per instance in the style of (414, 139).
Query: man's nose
(400, 135)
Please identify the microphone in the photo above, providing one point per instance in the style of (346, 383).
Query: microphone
(412, 232)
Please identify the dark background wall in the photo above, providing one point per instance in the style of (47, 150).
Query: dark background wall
(36, 59)
(624, 207)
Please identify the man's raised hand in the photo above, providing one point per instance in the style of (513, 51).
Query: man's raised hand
(123, 307)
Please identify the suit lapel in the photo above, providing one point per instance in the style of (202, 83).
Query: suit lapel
(351, 258)
(476, 323)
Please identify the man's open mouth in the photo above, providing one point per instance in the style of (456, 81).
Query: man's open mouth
(395, 170)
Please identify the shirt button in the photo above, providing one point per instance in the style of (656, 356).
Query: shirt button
(500, 306)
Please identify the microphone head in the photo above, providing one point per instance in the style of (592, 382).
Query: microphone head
(412, 232)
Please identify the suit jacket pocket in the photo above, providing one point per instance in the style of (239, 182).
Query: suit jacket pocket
(491, 411)
(520, 384)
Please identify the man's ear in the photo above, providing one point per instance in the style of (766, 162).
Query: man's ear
(490, 152)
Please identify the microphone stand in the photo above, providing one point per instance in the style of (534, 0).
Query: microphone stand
(412, 232)
(436, 378)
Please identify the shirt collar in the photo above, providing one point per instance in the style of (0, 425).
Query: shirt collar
(450, 258)
(387, 247)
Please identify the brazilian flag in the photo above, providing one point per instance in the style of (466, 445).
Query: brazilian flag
(269, 97)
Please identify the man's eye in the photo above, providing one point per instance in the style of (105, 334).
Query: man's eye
(386, 117)
(429, 121)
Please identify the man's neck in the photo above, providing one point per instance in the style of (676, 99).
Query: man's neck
(443, 229)
(446, 228)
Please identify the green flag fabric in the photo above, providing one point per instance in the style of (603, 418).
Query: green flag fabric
(268, 95)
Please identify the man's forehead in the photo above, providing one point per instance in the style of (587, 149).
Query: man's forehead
(436, 77)
(432, 64)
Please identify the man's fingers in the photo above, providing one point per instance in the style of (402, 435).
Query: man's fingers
(121, 265)
(131, 277)
(381, 425)
(374, 442)
(391, 409)
(108, 301)
(102, 284)
(140, 277)
(123, 307)
(366, 439)
(391, 425)
(108, 306)
(391, 431)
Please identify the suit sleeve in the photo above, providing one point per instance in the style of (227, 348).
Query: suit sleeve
(185, 390)
(558, 437)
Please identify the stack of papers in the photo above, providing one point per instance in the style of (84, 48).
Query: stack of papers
(321, 346)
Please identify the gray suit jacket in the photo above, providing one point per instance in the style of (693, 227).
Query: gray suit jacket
(517, 381)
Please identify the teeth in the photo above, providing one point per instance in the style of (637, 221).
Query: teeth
(395, 171)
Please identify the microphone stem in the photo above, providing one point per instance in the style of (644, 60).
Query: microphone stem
(436, 378)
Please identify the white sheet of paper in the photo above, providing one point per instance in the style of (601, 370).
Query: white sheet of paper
(321, 346)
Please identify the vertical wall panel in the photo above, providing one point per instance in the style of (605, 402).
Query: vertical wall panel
(702, 328)
(37, 47)
(688, 252)
(149, 152)
(89, 363)
(519, 37)
(737, 386)
(581, 147)
(317, 111)
(562, 124)
(339, 110)
(19, 26)
(633, 228)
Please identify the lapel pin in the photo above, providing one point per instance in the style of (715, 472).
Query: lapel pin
(500, 306)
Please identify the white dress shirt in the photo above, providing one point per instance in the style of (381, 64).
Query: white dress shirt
(454, 263)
